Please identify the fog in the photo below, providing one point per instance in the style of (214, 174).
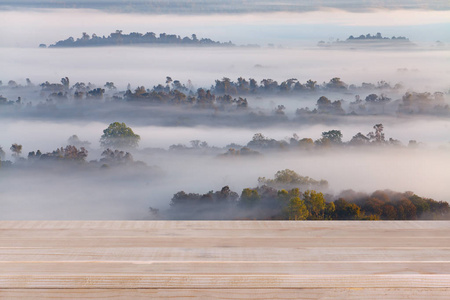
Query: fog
(417, 70)
(166, 161)
(29, 28)
(40, 194)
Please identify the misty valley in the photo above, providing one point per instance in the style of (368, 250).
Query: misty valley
(244, 110)
(153, 153)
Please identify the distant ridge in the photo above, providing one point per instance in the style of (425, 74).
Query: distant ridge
(369, 40)
(135, 38)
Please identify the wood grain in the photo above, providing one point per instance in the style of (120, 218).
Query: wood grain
(224, 259)
(230, 294)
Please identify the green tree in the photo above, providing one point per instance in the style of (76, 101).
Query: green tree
(296, 209)
(249, 197)
(346, 210)
(119, 135)
(315, 202)
(288, 179)
(283, 196)
(330, 209)
(335, 136)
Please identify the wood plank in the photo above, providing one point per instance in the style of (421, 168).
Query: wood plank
(301, 253)
(221, 281)
(203, 242)
(17, 268)
(231, 294)
(236, 229)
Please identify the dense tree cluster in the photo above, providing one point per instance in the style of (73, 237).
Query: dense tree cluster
(423, 103)
(230, 96)
(288, 179)
(376, 40)
(243, 151)
(135, 38)
(118, 137)
(185, 205)
(68, 153)
(203, 99)
(268, 202)
(378, 36)
(328, 139)
(70, 156)
(75, 153)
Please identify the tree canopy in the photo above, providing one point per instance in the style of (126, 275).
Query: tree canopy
(119, 135)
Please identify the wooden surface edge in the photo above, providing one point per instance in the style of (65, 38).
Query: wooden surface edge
(228, 294)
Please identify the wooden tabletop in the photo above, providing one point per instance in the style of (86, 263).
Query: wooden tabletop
(225, 259)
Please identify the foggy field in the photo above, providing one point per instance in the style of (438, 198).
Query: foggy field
(420, 70)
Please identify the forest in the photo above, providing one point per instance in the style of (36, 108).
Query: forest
(135, 38)
(368, 40)
(226, 102)
(289, 196)
(159, 132)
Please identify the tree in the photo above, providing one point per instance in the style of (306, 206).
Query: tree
(249, 197)
(296, 209)
(336, 83)
(330, 209)
(96, 93)
(373, 206)
(288, 179)
(389, 212)
(345, 210)
(283, 196)
(311, 85)
(377, 136)
(69, 153)
(118, 135)
(110, 86)
(65, 82)
(406, 210)
(226, 195)
(335, 136)
(315, 202)
(306, 143)
(16, 150)
(325, 106)
(359, 139)
(116, 157)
